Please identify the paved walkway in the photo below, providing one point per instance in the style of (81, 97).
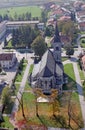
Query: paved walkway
(79, 87)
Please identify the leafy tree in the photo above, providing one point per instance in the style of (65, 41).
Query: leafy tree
(6, 98)
(6, 17)
(15, 37)
(1, 18)
(24, 36)
(44, 16)
(69, 49)
(39, 46)
(49, 30)
(69, 29)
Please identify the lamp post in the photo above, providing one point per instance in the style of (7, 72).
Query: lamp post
(26, 52)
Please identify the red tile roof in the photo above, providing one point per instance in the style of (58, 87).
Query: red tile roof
(64, 18)
(82, 24)
(6, 56)
(81, 13)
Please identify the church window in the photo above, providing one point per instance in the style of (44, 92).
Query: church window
(46, 83)
(41, 83)
(57, 48)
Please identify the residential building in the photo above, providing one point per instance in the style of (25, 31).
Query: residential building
(80, 16)
(10, 25)
(81, 25)
(7, 60)
(48, 73)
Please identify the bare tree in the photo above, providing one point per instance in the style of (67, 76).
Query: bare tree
(22, 106)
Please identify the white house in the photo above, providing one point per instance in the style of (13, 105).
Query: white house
(7, 60)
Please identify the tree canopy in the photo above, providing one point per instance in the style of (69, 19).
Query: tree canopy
(6, 98)
(39, 46)
(68, 28)
(24, 36)
(69, 49)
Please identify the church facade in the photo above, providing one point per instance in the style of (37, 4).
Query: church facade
(49, 73)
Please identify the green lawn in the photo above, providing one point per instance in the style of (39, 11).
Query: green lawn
(31, 69)
(20, 75)
(68, 69)
(9, 44)
(6, 123)
(27, 86)
(81, 73)
(35, 11)
(45, 111)
(83, 45)
(82, 40)
(64, 58)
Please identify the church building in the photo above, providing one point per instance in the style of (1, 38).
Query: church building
(49, 73)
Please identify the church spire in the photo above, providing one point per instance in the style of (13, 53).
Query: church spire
(56, 36)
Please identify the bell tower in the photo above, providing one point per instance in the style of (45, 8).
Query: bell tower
(57, 45)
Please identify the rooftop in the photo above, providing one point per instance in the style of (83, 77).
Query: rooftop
(6, 56)
(21, 22)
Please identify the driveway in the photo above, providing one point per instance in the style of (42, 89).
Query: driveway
(10, 74)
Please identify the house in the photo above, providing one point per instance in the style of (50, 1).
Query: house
(7, 60)
(80, 16)
(83, 62)
(49, 73)
(81, 25)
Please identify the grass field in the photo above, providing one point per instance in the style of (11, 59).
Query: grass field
(71, 77)
(34, 10)
(45, 111)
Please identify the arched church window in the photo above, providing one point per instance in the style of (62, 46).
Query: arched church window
(57, 48)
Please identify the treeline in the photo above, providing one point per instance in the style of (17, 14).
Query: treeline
(21, 17)
(24, 36)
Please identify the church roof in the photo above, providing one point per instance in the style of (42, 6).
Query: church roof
(59, 69)
(47, 65)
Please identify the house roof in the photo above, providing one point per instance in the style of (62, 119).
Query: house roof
(64, 18)
(21, 22)
(80, 13)
(6, 56)
(47, 65)
(82, 24)
(59, 69)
